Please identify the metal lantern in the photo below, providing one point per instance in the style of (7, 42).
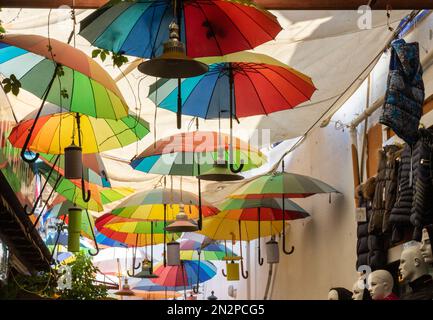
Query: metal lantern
(74, 229)
(173, 63)
(212, 296)
(146, 270)
(220, 172)
(173, 253)
(125, 291)
(232, 271)
(272, 251)
(182, 223)
(73, 162)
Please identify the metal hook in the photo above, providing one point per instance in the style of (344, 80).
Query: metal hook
(200, 210)
(287, 252)
(224, 273)
(244, 273)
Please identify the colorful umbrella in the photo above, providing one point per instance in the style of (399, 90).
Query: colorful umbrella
(135, 233)
(194, 250)
(90, 90)
(180, 154)
(209, 28)
(241, 84)
(283, 185)
(278, 184)
(258, 210)
(149, 286)
(104, 241)
(184, 275)
(54, 132)
(162, 204)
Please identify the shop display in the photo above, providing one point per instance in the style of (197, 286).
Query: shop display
(425, 247)
(339, 294)
(381, 284)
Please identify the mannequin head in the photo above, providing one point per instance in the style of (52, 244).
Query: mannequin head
(339, 294)
(358, 293)
(425, 247)
(380, 284)
(412, 264)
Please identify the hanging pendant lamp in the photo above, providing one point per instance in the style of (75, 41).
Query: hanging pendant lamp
(221, 172)
(173, 253)
(146, 270)
(212, 296)
(272, 251)
(182, 223)
(126, 290)
(73, 162)
(74, 229)
(173, 63)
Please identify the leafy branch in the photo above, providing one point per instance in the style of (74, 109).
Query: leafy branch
(117, 58)
(11, 84)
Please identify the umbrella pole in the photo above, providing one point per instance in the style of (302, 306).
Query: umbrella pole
(225, 249)
(196, 288)
(85, 195)
(259, 256)
(241, 166)
(44, 99)
(151, 247)
(134, 256)
(178, 15)
(200, 210)
(93, 235)
(244, 273)
(42, 190)
(165, 235)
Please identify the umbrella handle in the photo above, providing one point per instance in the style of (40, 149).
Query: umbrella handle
(292, 249)
(259, 256)
(234, 170)
(223, 273)
(94, 237)
(85, 194)
(23, 152)
(244, 272)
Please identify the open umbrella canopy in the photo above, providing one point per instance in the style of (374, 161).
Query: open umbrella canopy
(55, 131)
(261, 85)
(270, 209)
(89, 88)
(88, 174)
(105, 242)
(278, 184)
(184, 275)
(182, 153)
(189, 250)
(132, 232)
(149, 286)
(140, 27)
(220, 228)
(149, 205)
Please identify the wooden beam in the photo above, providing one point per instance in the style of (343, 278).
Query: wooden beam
(269, 4)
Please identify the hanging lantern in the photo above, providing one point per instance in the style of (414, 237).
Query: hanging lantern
(173, 63)
(182, 223)
(126, 290)
(272, 251)
(74, 229)
(73, 162)
(212, 296)
(173, 253)
(232, 271)
(146, 270)
(220, 171)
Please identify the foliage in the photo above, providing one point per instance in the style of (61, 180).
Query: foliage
(83, 278)
(42, 284)
(11, 84)
(117, 58)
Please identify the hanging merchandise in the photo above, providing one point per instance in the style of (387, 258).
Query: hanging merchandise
(404, 96)
(422, 207)
(173, 253)
(126, 290)
(182, 223)
(146, 270)
(232, 271)
(212, 296)
(272, 251)
(74, 229)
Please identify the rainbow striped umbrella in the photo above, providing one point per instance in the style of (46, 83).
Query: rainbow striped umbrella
(89, 88)
(184, 275)
(194, 250)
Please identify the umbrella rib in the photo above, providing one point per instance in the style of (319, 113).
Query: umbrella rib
(289, 81)
(258, 95)
(279, 92)
(210, 99)
(210, 27)
(159, 28)
(234, 24)
(245, 13)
